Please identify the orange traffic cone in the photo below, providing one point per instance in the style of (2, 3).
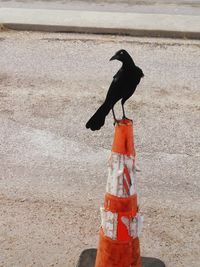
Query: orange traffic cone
(121, 222)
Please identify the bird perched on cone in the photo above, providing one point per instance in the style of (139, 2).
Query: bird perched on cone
(122, 87)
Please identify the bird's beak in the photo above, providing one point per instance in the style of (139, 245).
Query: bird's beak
(114, 57)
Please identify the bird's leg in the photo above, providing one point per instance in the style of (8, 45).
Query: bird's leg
(124, 116)
(115, 120)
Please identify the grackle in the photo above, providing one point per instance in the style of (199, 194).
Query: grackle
(122, 87)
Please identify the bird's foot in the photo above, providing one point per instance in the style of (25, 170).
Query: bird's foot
(125, 118)
(116, 122)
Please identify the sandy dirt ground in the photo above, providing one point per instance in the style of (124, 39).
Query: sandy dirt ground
(53, 171)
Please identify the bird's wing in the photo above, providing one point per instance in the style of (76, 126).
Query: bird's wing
(115, 90)
(118, 74)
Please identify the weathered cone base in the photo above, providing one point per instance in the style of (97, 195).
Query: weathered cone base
(88, 257)
(115, 253)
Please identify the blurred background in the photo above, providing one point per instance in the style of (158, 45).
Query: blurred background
(191, 7)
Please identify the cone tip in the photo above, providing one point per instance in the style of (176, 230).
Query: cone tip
(125, 122)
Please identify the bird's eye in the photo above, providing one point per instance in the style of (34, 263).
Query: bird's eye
(121, 53)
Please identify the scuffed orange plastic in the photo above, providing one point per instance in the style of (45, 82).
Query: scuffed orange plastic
(112, 253)
(123, 139)
(120, 204)
(123, 207)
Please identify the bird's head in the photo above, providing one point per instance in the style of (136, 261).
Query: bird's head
(122, 55)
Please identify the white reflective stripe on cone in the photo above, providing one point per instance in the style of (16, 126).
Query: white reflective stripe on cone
(116, 175)
(134, 225)
(109, 222)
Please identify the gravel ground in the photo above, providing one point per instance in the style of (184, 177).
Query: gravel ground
(54, 171)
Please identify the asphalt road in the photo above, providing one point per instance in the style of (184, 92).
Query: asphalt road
(53, 170)
(189, 7)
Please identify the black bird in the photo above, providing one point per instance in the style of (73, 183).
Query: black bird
(122, 87)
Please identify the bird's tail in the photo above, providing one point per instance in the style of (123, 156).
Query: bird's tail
(98, 119)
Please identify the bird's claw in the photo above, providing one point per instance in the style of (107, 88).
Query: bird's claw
(116, 121)
(125, 118)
